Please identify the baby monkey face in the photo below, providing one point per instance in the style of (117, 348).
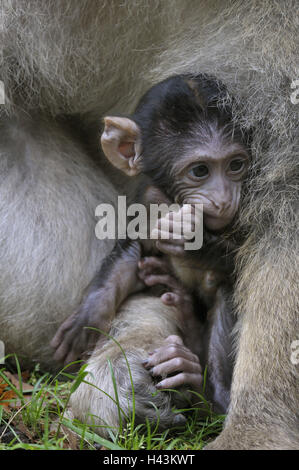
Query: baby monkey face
(193, 169)
(186, 143)
(212, 174)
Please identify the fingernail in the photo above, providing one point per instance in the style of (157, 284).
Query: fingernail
(146, 364)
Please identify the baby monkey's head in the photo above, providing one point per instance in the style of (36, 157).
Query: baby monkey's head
(183, 137)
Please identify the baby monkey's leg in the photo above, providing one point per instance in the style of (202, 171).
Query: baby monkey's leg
(175, 362)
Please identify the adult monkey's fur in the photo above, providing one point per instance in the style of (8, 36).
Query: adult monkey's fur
(89, 58)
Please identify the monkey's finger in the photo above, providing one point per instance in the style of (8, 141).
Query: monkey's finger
(77, 347)
(188, 208)
(170, 249)
(169, 352)
(68, 344)
(170, 225)
(170, 217)
(71, 357)
(56, 340)
(186, 225)
(164, 279)
(153, 262)
(177, 364)
(176, 226)
(142, 275)
(185, 215)
(185, 212)
(71, 323)
(176, 236)
(173, 340)
(60, 334)
(61, 353)
(149, 279)
(174, 343)
(194, 380)
(154, 269)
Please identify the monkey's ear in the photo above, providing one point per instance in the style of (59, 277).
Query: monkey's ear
(121, 143)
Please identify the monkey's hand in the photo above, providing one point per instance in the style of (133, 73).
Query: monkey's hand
(156, 271)
(176, 365)
(173, 230)
(74, 338)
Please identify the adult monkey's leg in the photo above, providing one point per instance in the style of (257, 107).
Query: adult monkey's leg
(264, 397)
(49, 189)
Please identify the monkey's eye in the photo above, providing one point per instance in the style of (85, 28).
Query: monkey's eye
(236, 166)
(199, 171)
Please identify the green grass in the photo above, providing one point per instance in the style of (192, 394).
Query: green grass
(39, 421)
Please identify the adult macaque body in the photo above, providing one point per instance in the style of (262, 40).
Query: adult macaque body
(81, 60)
(182, 140)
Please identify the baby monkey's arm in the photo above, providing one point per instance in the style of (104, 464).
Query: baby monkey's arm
(157, 271)
(116, 279)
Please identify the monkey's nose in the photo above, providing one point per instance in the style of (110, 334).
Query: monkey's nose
(220, 206)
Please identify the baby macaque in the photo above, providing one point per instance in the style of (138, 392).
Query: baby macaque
(183, 141)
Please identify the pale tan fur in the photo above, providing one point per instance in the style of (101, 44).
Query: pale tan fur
(46, 261)
(138, 334)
